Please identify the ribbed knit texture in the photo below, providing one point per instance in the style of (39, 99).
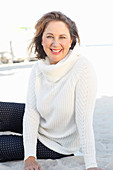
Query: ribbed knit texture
(59, 107)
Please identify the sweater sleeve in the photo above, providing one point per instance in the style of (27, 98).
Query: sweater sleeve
(85, 102)
(31, 119)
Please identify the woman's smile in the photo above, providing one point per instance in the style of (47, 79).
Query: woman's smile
(56, 51)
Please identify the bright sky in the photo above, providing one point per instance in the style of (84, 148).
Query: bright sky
(93, 17)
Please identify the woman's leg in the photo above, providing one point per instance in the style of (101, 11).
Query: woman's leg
(11, 116)
(11, 148)
(45, 153)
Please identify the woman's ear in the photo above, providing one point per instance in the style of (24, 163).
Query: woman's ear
(42, 40)
(71, 41)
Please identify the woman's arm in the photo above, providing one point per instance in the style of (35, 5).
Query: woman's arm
(31, 119)
(85, 101)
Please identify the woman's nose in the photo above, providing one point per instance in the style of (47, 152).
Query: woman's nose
(55, 42)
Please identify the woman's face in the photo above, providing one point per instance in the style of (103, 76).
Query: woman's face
(56, 41)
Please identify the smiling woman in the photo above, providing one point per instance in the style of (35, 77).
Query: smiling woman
(61, 97)
(46, 29)
(56, 42)
(61, 94)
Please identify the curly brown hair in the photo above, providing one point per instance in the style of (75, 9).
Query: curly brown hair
(42, 24)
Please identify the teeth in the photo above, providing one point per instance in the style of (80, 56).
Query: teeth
(56, 51)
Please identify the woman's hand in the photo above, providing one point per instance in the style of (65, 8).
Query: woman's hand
(95, 169)
(31, 164)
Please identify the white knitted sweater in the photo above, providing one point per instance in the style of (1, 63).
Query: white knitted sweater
(59, 107)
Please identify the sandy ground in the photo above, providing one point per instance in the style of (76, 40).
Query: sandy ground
(13, 87)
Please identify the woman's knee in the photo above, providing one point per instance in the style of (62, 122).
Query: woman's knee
(11, 116)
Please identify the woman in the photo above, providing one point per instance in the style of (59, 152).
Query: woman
(61, 95)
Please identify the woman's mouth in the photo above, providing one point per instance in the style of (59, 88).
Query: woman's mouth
(56, 51)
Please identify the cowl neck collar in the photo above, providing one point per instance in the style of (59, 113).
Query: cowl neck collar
(54, 72)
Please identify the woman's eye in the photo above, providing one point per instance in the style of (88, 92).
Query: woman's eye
(49, 36)
(62, 37)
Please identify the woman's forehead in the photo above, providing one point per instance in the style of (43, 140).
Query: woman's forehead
(56, 27)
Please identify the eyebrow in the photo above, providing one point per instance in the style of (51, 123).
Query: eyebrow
(60, 34)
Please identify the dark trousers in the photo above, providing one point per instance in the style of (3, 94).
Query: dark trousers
(11, 146)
